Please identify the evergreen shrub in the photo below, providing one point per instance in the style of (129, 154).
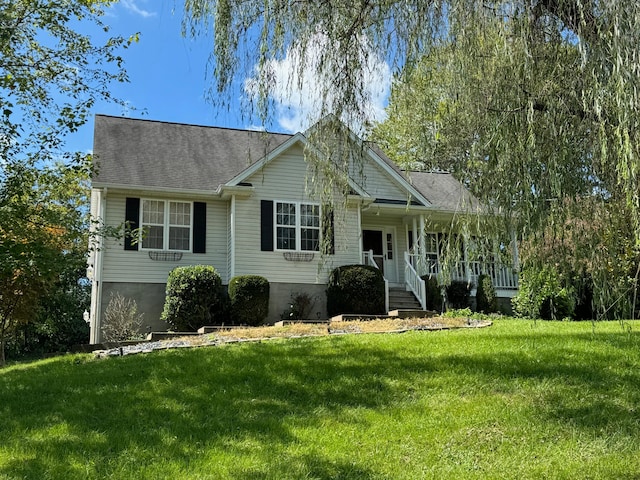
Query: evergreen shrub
(486, 300)
(193, 298)
(355, 289)
(458, 292)
(249, 296)
(433, 293)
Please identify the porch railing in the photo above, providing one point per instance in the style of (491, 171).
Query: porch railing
(503, 276)
(414, 282)
(368, 258)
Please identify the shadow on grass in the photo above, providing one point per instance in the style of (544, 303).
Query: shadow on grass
(167, 413)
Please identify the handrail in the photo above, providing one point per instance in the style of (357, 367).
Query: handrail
(368, 259)
(414, 282)
(503, 276)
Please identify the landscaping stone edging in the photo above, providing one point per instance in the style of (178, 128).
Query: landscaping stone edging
(148, 347)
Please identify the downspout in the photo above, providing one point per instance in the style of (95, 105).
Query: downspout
(96, 282)
(232, 240)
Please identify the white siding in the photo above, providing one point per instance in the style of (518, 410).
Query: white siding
(377, 182)
(122, 265)
(284, 179)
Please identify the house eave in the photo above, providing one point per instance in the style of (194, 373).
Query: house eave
(240, 191)
(138, 189)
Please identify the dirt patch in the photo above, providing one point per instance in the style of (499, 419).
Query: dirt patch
(343, 327)
(297, 330)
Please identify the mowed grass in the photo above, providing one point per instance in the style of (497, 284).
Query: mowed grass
(515, 400)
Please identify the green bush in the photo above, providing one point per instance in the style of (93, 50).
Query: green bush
(355, 289)
(433, 293)
(458, 294)
(486, 300)
(541, 295)
(193, 298)
(249, 296)
(558, 306)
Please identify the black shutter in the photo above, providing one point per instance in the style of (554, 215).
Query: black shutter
(328, 245)
(266, 225)
(199, 227)
(131, 218)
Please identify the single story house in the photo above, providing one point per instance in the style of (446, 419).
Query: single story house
(243, 202)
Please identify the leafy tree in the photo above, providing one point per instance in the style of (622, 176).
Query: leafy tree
(51, 75)
(530, 103)
(43, 233)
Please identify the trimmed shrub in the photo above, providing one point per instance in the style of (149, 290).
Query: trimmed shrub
(458, 294)
(249, 296)
(355, 289)
(193, 297)
(433, 293)
(486, 300)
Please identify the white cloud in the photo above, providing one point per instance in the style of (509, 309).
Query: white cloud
(134, 8)
(298, 94)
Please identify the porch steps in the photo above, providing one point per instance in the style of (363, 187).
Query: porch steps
(400, 299)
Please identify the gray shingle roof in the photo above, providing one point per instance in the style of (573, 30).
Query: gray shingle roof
(147, 153)
(443, 191)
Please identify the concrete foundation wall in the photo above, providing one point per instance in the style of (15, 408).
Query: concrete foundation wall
(280, 298)
(148, 296)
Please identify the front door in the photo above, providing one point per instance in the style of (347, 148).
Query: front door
(381, 241)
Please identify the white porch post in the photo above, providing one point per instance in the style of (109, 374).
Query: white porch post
(514, 246)
(416, 239)
(465, 239)
(423, 242)
(360, 251)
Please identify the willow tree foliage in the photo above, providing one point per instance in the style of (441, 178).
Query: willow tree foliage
(533, 103)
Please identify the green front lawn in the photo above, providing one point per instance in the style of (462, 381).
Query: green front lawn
(516, 400)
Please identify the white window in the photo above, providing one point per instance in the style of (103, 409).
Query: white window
(166, 225)
(297, 226)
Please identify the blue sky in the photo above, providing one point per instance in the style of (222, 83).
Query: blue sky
(168, 81)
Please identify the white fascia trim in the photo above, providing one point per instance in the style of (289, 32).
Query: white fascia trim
(398, 178)
(297, 138)
(404, 207)
(121, 188)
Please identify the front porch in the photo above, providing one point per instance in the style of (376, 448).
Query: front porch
(405, 250)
